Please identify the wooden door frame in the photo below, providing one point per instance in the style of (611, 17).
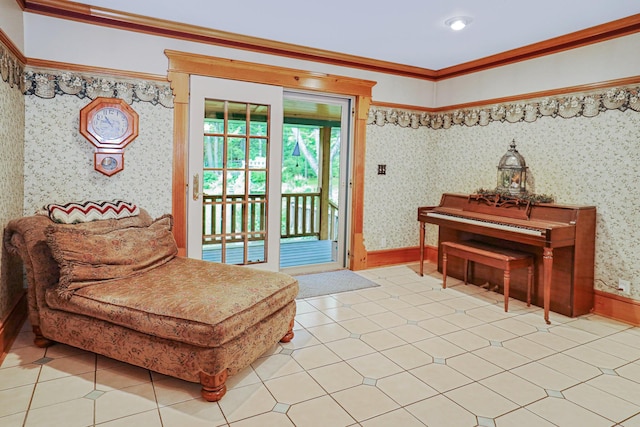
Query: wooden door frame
(182, 65)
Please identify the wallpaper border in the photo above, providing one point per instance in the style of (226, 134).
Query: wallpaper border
(579, 104)
(11, 69)
(49, 83)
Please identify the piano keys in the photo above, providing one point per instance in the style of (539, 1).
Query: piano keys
(560, 237)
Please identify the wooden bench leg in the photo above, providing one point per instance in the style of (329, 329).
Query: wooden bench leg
(507, 282)
(466, 270)
(529, 284)
(444, 270)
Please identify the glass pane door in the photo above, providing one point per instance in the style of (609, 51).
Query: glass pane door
(231, 148)
(234, 187)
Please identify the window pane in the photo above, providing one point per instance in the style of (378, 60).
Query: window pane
(256, 252)
(213, 116)
(234, 253)
(258, 153)
(212, 182)
(235, 182)
(257, 219)
(259, 120)
(211, 219)
(213, 149)
(234, 220)
(236, 152)
(237, 118)
(258, 182)
(212, 252)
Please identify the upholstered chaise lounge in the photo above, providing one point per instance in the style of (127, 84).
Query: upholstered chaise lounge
(116, 287)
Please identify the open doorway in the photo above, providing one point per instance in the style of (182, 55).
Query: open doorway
(316, 131)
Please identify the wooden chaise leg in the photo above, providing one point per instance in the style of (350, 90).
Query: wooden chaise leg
(213, 386)
(289, 335)
(40, 340)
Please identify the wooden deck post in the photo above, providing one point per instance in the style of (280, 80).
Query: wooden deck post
(325, 183)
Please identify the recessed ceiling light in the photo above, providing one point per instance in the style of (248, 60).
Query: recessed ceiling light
(457, 23)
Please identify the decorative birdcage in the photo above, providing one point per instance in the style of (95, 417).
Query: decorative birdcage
(512, 173)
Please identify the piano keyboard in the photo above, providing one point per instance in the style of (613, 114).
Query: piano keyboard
(489, 224)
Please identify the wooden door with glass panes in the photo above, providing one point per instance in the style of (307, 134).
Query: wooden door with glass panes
(234, 163)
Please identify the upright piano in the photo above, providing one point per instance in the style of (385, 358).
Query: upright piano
(560, 237)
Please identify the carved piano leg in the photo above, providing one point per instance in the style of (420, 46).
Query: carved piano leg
(422, 225)
(505, 291)
(444, 269)
(547, 262)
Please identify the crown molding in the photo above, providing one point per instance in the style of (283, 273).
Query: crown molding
(599, 33)
(159, 27)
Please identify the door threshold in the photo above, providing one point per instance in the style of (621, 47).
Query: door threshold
(312, 268)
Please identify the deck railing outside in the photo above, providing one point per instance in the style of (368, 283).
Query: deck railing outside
(301, 217)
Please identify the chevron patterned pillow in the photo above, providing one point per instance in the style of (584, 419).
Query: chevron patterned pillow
(86, 211)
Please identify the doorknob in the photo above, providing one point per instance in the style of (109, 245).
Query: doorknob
(196, 187)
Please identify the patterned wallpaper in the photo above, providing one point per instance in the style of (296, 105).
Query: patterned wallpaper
(45, 159)
(579, 160)
(11, 161)
(59, 161)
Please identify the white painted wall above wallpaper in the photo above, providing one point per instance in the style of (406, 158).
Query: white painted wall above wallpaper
(595, 63)
(77, 43)
(11, 22)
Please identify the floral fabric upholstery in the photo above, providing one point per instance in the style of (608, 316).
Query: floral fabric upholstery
(183, 318)
(209, 305)
(87, 258)
(24, 240)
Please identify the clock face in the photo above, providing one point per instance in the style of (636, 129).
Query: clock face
(110, 123)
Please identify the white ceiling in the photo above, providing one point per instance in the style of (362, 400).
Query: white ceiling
(409, 32)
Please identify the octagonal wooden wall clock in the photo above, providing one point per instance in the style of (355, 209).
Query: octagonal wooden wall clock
(110, 124)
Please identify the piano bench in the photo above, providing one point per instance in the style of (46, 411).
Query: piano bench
(492, 256)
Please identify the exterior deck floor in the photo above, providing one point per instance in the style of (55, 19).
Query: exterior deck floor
(293, 253)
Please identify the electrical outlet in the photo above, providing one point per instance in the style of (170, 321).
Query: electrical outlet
(624, 286)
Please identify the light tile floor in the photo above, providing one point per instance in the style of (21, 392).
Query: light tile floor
(404, 354)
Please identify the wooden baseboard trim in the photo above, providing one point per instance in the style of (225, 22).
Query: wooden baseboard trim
(400, 256)
(12, 324)
(616, 307)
